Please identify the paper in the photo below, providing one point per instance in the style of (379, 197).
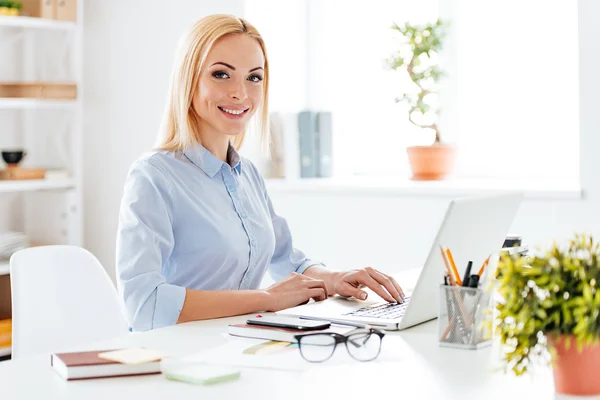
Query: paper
(132, 356)
(242, 352)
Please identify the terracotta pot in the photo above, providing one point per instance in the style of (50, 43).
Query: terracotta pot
(576, 373)
(430, 163)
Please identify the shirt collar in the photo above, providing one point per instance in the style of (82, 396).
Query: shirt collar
(210, 164)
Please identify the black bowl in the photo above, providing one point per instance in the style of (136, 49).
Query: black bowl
(13, 157)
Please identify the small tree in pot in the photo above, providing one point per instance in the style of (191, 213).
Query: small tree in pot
(417, 57)
(548, 310)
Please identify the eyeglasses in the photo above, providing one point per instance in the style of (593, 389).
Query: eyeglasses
(362, 344)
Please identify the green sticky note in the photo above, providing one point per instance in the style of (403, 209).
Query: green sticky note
(203, 374)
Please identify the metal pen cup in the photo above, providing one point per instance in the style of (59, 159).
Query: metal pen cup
(464, 317)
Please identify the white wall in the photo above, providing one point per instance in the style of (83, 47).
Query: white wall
(126, 74)
(129, 48)
(394, 233)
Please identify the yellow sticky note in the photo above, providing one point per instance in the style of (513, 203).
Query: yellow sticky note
(132, 356)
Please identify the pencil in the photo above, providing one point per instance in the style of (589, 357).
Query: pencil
(458, 280)
(483, 266)
(448, 270)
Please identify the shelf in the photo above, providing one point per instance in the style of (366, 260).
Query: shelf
(36, 23)
(4, 268)
(35, 185)
(5, 351)
(20, 103)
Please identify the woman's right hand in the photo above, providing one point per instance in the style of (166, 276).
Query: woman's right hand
(293, 290)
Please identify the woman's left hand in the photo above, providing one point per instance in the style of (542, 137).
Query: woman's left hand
(350, 283)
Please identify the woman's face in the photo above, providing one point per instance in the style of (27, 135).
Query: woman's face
(231, 86)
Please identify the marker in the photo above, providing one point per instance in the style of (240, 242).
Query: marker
(474, 281)
(465, 282)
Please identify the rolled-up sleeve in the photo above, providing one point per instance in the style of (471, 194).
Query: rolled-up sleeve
(286, 258)
(144, 243)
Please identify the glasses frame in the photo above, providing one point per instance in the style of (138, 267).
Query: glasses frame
(342, 339)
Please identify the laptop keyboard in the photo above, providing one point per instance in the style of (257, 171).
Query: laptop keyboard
(383, 311)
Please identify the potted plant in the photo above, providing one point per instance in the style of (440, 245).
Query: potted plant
(10, 8)
(548, 310)
(418, 58)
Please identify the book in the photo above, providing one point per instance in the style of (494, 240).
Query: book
(87, 364)
(279, 334)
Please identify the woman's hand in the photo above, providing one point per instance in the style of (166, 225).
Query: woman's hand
(349, 284)
(293, 290)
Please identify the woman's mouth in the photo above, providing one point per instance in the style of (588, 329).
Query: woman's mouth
(233, 113)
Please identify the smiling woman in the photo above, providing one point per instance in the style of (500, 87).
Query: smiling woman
(197, 230)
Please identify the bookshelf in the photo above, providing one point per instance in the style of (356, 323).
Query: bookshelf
(48, 128)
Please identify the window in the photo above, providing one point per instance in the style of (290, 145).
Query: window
(510, 102)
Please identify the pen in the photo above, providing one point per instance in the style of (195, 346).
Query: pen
(465, 282)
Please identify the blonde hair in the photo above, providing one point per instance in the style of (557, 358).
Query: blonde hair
(179, 127)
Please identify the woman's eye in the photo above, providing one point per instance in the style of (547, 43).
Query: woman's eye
(220, 75)
(255, 78)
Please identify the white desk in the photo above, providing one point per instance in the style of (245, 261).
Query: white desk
(426, 371)
(423, 370)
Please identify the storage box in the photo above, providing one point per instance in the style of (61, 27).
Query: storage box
(22, 173)
(39, 90)
(66, 10)
(38, 8)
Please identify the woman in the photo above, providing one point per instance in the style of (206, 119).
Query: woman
(197, 230)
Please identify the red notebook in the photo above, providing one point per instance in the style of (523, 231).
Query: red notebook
(86, 364)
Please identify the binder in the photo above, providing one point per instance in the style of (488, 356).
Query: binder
(307, 135)
(324, 144)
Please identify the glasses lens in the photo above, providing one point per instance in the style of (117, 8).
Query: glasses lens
(364, 345)
(317, 348)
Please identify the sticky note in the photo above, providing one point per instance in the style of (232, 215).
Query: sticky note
(132, 356)
(203, 374)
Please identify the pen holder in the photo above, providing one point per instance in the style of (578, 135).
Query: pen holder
(464, 317)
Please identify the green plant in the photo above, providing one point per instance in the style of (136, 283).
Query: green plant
(417, 56)
(552, 293)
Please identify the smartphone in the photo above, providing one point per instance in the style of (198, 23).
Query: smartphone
(290, 323)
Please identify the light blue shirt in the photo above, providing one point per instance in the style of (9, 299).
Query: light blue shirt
(190, 220)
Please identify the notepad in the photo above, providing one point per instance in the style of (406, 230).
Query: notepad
(203, 374)
(132, 356)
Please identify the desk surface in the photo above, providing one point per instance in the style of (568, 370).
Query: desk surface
(423, 370)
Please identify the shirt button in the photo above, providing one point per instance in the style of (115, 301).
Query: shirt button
(243, 214)
(253, 243)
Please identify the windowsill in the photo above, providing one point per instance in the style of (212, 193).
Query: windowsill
(446, 188)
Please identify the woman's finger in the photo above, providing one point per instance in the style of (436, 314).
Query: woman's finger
(386, 282)
(366, 279)
(396, 285)
(318, 294)
(316, 283)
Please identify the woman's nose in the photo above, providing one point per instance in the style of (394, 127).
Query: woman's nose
(237, 91)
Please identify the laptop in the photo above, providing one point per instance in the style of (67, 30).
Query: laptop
(473, 228)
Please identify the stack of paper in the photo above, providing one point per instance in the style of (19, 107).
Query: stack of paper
(10, 242)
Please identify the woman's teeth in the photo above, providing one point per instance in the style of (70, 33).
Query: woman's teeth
(234, 112)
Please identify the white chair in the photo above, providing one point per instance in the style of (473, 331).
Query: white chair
(61, 297)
